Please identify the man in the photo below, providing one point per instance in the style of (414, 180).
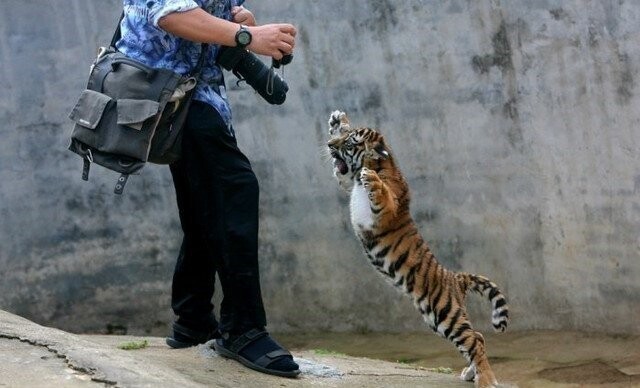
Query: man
(216, 189)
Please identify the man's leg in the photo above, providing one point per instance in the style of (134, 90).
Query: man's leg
(228, 214)
(194, 274)
(224, 203)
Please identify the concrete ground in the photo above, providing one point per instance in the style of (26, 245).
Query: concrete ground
(35, 356)
(526, 359)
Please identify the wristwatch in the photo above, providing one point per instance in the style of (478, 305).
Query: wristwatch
(243, 37)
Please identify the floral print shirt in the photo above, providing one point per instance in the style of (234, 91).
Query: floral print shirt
(144, 41)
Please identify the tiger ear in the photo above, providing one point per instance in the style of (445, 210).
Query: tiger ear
(380, 150)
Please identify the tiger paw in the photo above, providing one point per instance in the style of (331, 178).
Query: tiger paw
(485, 379)
(338, 123)
(368, 177)
(372, 183)
(468, 373)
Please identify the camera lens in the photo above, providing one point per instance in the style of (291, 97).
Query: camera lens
(246, 66)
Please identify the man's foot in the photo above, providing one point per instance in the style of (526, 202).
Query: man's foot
(184, 337)
(257, 350)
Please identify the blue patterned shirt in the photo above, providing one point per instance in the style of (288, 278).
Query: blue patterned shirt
(144, 41)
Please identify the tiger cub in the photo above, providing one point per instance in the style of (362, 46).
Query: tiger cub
(379, 205)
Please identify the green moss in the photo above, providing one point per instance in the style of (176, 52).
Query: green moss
(406, 360)
(442, 369)
(326, 352)
(133, 345)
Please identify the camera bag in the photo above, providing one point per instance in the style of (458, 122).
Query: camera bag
(130, 114)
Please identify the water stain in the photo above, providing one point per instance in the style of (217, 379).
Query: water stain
(625, 80)
(594, 35)
(594, 372)
(558, 13)
(383, 15)
(356, 97)
(501, 56)
(619, 293)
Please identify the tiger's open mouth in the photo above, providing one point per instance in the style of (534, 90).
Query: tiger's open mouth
(340, 164)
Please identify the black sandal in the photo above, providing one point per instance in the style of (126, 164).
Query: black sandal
(232, 347)
(184, 337)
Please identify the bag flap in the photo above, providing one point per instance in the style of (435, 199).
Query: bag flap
(136, 111)
(89, 108)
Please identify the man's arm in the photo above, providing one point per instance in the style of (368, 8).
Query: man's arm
(197, 25)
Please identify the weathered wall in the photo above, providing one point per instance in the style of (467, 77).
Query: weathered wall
(515, 122)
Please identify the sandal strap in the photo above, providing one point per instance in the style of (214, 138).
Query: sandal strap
(245, 339)
(268, 358)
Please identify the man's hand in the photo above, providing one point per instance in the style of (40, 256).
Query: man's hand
(241, 15)
(274, 40)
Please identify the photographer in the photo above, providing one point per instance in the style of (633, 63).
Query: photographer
(216, 189)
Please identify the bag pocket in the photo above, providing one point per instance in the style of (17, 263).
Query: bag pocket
(89, 109)
(133, 113)
(91, 113)
(129, 130)
(117, 126)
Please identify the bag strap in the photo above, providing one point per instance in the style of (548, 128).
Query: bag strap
(122, 180)
(117, 34)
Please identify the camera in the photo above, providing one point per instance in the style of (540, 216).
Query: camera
(247, 67)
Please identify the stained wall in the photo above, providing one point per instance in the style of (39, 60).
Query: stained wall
(515, 123)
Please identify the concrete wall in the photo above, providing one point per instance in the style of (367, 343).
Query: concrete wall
(515, 122)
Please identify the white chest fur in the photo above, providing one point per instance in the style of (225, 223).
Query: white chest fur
(361, 215)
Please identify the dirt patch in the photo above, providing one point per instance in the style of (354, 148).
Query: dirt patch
(595, 372)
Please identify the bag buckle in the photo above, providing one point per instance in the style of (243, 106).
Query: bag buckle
(101, 52)
(86, 165)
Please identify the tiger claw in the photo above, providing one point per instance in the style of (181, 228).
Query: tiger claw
(366, 176)
(338, 123)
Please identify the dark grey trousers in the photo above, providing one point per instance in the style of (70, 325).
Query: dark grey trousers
(217, 195)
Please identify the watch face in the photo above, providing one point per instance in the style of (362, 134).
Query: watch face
(244, 38)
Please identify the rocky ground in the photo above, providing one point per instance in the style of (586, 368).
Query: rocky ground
(35, 356)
